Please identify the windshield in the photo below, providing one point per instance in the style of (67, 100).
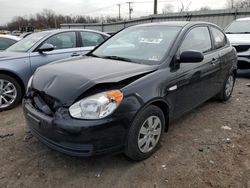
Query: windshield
(25, 44)
(239, 27)
(146, 45)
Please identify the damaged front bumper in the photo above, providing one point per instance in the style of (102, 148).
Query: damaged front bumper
(75, 137)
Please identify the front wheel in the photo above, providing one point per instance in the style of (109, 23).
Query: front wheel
(10, 92)
(145, 133)
(227, 89)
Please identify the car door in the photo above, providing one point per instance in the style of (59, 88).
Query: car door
(65, 45)
(90, 40)
(195, 81)
(225, 53)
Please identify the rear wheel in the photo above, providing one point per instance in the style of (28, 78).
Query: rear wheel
(10, 92)
(227, 89)
(145, 133)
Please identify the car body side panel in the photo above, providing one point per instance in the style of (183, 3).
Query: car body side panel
(19, 67)
(196, 83)
(39, 59)
(149, 92)
(228, 57)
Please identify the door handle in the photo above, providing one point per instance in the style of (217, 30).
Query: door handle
(74, 54)
(214, 61)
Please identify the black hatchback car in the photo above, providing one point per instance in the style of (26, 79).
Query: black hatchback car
(122, 96)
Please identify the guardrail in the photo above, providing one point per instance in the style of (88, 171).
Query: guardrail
(219, 17)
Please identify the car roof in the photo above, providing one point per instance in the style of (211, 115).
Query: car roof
(176, 23)
(244, 19)
(11, 37)
(54, 31)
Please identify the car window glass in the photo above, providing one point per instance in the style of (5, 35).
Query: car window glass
(219, 38)
(91, 39)
(63, 40)
(5, 43)
(27, 43)
(242, 26)
(144, 44)
(197, 39)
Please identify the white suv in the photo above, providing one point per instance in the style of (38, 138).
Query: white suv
(238, 33)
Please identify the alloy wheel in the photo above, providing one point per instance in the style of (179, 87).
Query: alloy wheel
(8, 93)
(149, 134)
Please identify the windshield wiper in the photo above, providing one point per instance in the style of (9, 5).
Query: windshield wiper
(118, 58)
(93, 55)
(238, 32)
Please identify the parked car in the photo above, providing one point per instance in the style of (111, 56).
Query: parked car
(122, 98)
(238, 33)
(7, 40)
(19, 61)
(24, 35)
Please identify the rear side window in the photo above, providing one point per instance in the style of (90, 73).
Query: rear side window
(197, 39)
(63, 40)
(5, 43)
(219, 38)
(91, 39)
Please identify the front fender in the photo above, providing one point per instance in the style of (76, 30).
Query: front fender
(17, 67)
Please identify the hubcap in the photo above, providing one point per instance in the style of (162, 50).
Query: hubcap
(8, 93)
(229, 86)
(149, 134)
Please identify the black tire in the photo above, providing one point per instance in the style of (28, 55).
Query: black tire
(18, 92)
(132, 149)
(223, 96)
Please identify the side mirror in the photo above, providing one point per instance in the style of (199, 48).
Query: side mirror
(191, 57)
(46, 48)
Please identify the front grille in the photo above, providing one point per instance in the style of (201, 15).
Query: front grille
(45, 103)
(241, 48)
(50, 101)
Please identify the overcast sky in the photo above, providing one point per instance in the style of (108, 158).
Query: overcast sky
(12, 8)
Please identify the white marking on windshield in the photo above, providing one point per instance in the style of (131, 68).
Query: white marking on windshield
(150, 40)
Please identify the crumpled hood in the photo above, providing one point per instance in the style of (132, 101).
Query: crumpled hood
(67, 80)
(239, 38)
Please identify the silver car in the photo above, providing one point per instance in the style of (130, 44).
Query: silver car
(19, 61)
(7, 40)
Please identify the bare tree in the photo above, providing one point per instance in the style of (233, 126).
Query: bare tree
(181, 7)
(168, 8)
(184, 7)
(49, 19)
(230, 3)
(242, 3)
(238, 3)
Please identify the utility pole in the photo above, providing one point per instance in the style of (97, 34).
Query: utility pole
(155, 6)
(130, 9)
(119, 6)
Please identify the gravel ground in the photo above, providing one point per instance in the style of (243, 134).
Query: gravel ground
(196, 152)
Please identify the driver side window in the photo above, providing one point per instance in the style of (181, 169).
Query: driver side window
(197, 39)
(62, 40)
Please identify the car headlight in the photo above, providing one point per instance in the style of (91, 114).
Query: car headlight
(97, 106)
(29, 83)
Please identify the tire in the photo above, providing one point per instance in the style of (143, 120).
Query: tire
(133, 149)
(224, 95)
(11, 91)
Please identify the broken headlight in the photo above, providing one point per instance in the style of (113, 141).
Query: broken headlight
(97, 106)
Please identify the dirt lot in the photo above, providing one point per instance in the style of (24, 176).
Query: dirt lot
(196, 152)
